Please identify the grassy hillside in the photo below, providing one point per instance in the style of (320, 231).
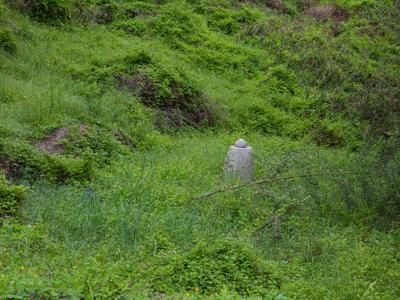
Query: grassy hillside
(116, 114)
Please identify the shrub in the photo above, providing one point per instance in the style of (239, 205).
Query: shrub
(134, 27)
(7, 41)
(326, 134)
(208, 268)
(261, 117)
(177, 98)
(178, 22)
(230, 21)
(46, 11)
(93, 142)
(348, 187)
(10, 197)
(23, 160)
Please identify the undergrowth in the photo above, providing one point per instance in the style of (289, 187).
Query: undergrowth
(116, 115)
(207, 268)
(11, 197)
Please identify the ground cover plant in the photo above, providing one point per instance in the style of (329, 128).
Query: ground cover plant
(115, 118)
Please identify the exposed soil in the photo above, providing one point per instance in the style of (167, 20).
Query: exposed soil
(305, 4)
(11, 169)
(83, 129)
(278, 5)
(125, 140)
(51, 143)
(326, 12)
(181, 109)
(141, 85)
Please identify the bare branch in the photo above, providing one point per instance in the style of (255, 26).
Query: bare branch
(265, 181)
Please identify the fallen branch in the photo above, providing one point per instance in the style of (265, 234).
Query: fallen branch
(254, 183)
(274, 219)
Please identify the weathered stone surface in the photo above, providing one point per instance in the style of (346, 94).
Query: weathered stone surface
(239, 161)
(241, 143)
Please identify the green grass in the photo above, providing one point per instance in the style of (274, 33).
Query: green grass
(120, 234)
(114, 216)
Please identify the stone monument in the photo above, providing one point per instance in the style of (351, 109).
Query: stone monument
(239, 161)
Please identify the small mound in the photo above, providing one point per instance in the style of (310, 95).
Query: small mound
(140, 84)
(10, 197)
(96, 143)
(67, 153)
(208, 268)
(51, 143)
(21, 159)
(326, 12)
(177, 100)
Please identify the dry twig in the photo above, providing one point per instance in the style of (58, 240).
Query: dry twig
(274, 219)
(254, 183)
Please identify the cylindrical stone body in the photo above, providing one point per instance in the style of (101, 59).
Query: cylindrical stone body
(239, 163)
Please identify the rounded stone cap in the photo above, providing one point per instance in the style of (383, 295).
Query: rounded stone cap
(241, 143)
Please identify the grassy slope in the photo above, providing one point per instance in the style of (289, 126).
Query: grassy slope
(128, 229)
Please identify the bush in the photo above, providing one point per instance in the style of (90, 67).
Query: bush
(208, 268)
(176, 98)
(46, 11)
(7, 41)
(347, 187)
(10, 197)
(135, 27)
(23, 160)
(95, 143)
(178, 22)
(231, 21)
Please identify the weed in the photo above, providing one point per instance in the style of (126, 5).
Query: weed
(207, 268)
(23, 160)
(7, 41)
(47, 11)
(11, 197)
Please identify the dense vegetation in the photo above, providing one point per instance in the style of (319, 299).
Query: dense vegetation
(116, 114)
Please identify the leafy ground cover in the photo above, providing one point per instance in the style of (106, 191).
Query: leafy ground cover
(115, 115)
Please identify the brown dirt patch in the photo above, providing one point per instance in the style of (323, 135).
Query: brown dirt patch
(125, 140)
(83, 129)
(51, 143)
(395, 104)
(9, 168)
(141, 85)
(326, 12)
(178, 110)
(278, 5)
